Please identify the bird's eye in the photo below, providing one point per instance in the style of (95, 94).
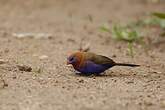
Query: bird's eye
(71, 59)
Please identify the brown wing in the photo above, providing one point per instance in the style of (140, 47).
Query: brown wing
(99, 59)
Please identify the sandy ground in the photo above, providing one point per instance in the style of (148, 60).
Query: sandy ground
(52, 85)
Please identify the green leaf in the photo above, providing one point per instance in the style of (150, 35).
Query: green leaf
(130, 49)
(159, 15)
(104, 28)
(124, 33)
(162, 23)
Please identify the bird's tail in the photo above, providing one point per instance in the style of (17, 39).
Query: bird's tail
(126, 64)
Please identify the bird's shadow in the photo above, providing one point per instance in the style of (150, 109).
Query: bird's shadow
(103, 75)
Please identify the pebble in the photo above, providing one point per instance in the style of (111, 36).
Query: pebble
(2, 61)
(163, 104)
(43, 57)
(148, 103)
(24, 68)
(3, 84)
(71, 40)
(128, 82)
(81, 81)
(114, 56)
(32, 35)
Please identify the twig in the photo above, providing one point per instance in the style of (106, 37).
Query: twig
(4, 83)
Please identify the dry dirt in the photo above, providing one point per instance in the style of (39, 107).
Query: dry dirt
(51, 85)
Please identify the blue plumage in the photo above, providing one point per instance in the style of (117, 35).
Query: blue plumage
(92, 68)
(90, 63)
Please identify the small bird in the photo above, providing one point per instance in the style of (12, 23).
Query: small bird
(88, 63)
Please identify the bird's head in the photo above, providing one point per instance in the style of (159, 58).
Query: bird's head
(74, 59)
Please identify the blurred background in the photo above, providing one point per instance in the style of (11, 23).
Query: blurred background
(36, 36)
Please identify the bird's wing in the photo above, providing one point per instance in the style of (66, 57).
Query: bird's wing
(99, 59)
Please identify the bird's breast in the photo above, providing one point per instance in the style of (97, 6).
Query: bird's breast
(91, 67)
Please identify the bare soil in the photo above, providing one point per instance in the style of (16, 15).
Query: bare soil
(51, 85)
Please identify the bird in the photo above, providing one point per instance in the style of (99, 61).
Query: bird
(88, 63)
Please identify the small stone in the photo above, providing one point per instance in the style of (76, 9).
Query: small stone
(157, 72)
(148, 95)
(134, 74)
(6, 50)
(94, 77)
(71, 40)
(43, 57)
(163, 104)
(114, 56)
(32, 35)
(3, 84)
(115, 80)
(158, 86)
(56, 81)
(81, 81)
(148, 103)
(24, 68)
(2, 61)
(128, 82)
(14, 77)
(43, 35)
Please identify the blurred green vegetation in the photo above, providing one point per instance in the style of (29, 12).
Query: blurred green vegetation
(131, 32)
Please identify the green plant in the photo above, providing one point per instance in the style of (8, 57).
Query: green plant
(159, 15)
(120, 32)
(127, 33)
(155, 21)
(104, 28)
(38, 70)
(132, 33)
